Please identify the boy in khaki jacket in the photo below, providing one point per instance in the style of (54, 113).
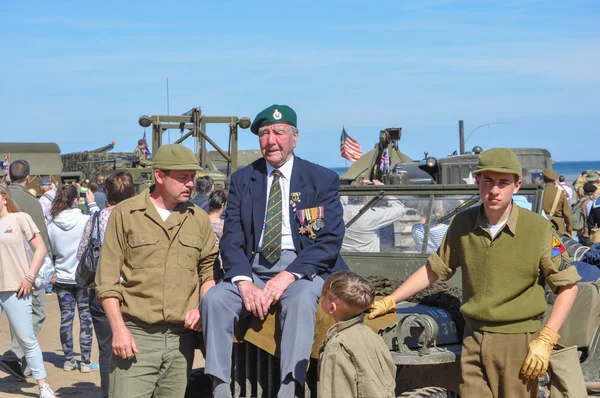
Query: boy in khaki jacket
(354, 361)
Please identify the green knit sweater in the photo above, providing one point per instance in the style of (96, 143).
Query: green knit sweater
(502, 287)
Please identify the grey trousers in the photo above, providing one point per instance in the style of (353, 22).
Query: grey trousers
(38, 307)
(222, 307)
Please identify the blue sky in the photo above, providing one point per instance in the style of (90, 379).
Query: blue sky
(81, 73)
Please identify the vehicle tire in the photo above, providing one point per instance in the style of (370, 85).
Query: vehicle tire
(429, 392)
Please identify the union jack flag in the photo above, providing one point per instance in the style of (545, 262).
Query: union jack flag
(384, 164)
(349, 147)
(145, 149)
(6, 163)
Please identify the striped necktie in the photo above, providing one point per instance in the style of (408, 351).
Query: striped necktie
(271, 249)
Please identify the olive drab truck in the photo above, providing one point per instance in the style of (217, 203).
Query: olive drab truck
(454, 169)
(424, 336)
(43, 158)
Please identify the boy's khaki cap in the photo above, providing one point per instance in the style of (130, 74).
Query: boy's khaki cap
(500, 160)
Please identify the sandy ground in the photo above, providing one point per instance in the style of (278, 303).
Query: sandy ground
(64, 384)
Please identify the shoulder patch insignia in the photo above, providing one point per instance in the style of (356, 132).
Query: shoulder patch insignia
(557, 247)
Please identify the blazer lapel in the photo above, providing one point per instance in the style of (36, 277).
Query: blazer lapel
(258, 193)
(296, 185)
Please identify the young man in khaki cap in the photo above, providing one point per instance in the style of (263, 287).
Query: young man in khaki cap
(157, 261)
(504, 251)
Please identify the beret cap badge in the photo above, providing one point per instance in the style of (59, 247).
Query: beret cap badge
(276, 114)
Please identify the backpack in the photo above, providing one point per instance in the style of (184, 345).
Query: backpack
(86, 269)
(579, 219)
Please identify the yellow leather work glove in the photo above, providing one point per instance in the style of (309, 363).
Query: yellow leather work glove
(382, 307)
(538, 357)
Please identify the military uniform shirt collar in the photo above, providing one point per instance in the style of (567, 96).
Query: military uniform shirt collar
(286, 169)
(511, 223)
(340, 326)
(143, 202)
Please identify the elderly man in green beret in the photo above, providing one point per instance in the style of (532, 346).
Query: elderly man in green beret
(282, 238)
(157, 261)
(504, 251)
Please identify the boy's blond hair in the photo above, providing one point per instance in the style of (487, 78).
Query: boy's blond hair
(353, 290)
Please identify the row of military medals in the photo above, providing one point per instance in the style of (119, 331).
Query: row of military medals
(311, 220)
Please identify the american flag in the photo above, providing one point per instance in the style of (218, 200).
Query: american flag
(145, 149)
(349, 147)
(6, 163)
(384, 164)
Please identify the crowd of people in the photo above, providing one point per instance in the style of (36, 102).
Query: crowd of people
(181, 258)
(54, 225)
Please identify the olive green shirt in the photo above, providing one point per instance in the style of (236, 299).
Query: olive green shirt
(355, 362)
(503, 288)
(141, 157)
(155, 267)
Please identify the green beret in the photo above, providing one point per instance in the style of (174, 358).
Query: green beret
(273, 115)
(550, 174)
(500, 160)
(175, 157)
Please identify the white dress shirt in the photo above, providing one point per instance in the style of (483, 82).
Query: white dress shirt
(287, 243)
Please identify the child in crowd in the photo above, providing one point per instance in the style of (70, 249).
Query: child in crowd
(354, 361)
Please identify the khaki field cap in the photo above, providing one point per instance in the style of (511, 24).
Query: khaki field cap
(592, 176)
(175, 157)
(550, 174)
(500, 160)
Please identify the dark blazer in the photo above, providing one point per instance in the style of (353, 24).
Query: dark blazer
(245, 215)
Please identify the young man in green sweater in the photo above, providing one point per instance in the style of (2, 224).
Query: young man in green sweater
(506, 253)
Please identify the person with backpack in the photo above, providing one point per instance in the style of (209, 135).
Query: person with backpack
(118, 187)
(580, 212)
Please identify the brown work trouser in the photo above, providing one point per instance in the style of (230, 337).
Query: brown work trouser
(490, 365)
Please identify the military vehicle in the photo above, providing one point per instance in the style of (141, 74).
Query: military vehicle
(94, 164)
(424, 336)
(455, 169)
(192, 125)
(43, 158)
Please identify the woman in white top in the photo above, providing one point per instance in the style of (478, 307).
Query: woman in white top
(16, 281)
(64, 233)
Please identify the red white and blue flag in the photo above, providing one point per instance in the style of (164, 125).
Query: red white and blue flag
(349, 147)
(384, 164)
(455, 153)
(145, 149)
